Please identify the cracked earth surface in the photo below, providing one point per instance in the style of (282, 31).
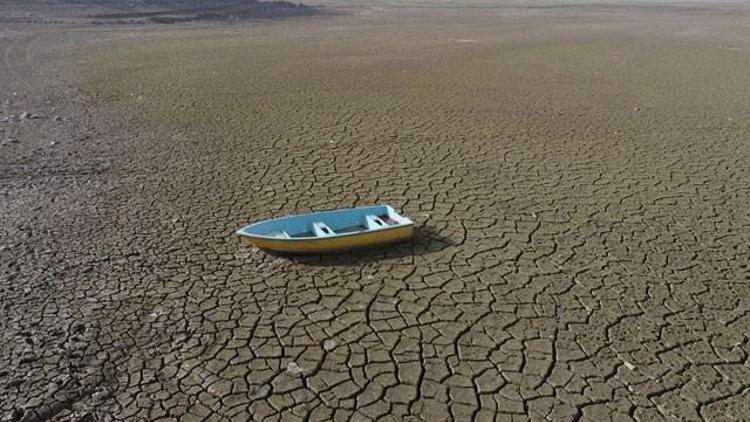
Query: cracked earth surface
(580, 180)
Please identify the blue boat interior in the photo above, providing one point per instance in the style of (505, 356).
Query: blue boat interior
(328, 223)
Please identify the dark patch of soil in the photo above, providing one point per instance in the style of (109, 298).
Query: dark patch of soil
(217, 11)
(154, 11)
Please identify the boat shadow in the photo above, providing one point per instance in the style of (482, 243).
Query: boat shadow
(426, 239)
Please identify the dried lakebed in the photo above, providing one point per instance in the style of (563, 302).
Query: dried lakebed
(579, 177)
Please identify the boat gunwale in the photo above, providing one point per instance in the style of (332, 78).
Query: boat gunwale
(241, 232)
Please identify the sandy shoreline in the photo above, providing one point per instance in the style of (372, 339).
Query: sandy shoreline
(579, 176)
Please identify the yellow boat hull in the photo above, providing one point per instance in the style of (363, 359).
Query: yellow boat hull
(334, 244)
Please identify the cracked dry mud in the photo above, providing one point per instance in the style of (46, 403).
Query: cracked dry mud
(579, 177)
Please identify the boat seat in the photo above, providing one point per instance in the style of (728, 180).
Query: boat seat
(321, 229)
(282, 235)
(373, 222)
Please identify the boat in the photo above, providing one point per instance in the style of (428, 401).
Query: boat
(330, 231)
